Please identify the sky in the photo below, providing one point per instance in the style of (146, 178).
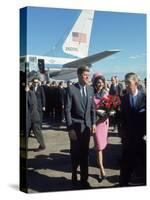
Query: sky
(47, 28)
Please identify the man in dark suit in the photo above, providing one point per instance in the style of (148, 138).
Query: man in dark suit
(116, 87)
(60, 95)
(40, 95)
(80, 118)
(33, 118)
(133, 129)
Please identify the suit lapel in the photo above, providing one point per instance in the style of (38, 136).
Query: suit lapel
(128, 104)
(87, 92)
(138, 100)
(79, 94)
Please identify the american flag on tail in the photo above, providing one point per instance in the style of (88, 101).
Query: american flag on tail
(79, 37)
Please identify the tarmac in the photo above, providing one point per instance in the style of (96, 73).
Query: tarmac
(49, 170)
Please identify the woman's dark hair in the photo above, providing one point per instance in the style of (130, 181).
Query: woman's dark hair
(95, 82)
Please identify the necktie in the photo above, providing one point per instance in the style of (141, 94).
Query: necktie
(84, 96)
(132, 102)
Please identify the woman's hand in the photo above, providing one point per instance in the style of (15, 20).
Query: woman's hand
(101, 120)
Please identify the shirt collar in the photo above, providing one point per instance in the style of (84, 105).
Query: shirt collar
(135, 94)
(81, 86)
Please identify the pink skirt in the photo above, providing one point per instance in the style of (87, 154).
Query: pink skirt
(101, 135)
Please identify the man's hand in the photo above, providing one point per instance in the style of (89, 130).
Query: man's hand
(72, 134)
(93, 129)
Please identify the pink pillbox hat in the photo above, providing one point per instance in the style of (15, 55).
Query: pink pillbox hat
(95, 75)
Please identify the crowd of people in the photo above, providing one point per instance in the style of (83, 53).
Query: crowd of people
(76, 104)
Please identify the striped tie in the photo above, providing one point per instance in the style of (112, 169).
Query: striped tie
(83, 96)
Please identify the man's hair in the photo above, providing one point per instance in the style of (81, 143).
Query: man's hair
(132, 76)
(35, 79)
(60, 83)
(82, 69)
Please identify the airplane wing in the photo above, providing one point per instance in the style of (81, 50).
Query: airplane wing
(90, 59)
(65, 74)
(69, 70)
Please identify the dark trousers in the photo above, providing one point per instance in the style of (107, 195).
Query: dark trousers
(41, 116)
(127, 165)
(79, 151)
(132, 156)
(59, 113)
(36, 127)
(38, 134)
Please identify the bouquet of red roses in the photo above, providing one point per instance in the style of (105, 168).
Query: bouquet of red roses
(108, 105)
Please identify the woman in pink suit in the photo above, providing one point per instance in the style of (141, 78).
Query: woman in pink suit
(102, 124)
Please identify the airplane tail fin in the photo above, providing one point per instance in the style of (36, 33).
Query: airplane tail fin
(77, 42)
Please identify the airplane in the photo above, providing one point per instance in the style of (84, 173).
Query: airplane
(76, 44)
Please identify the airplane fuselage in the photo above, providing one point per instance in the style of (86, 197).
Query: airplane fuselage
(51, 60)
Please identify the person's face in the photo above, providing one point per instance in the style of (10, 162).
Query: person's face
(99, 85)
(131, 86)
(113, 80)
(117, 80)
(84, 78)
(35, 82)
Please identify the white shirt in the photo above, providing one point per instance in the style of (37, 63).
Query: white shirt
(82, 87)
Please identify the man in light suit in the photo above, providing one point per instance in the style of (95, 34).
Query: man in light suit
(80, 119)
(133, 129)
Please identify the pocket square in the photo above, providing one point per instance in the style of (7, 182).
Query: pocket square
(142, 110)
